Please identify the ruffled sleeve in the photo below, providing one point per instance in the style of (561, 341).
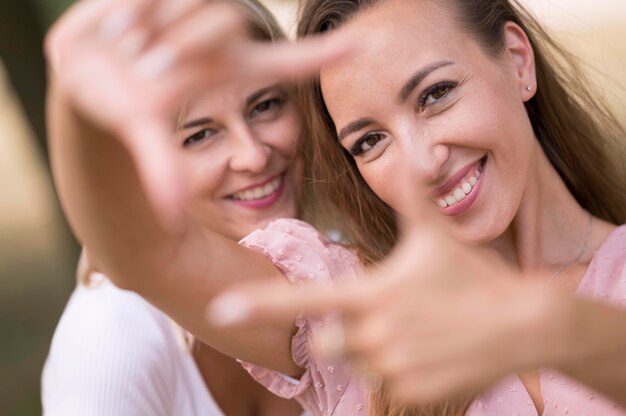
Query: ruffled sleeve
(302, 255)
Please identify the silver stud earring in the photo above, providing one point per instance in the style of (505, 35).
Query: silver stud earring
(529, 88)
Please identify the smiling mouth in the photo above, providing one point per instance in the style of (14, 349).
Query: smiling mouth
(259, 192)
(462, 188)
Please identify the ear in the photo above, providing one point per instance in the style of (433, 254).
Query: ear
(521, 55)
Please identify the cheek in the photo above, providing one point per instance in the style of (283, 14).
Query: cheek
(287, 131)
(381, 176)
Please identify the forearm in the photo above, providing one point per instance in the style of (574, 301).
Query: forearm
(101, 194)
(178, 272)
(597, 339)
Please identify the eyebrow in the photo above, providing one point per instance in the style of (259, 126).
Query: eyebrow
(355, 126)
(207, 120)
(405, 92)
(418, 77)
(197, 122)
(257, 94)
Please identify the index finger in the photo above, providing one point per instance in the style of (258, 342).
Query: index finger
(301, 58)
(263, 302)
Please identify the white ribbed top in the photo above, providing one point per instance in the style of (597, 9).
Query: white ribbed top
(115, 354)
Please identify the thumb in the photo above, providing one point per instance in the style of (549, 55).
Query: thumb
(418, 210)
(151, 148)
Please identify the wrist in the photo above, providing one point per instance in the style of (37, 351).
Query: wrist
(542, 325)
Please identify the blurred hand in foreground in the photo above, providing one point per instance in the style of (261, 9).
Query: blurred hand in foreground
(437, 319)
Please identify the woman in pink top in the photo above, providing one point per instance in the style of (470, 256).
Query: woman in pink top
(141, 236)
(514, 152)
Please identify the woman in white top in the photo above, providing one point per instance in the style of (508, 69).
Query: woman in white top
(115, 354)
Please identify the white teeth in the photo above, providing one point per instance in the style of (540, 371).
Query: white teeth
(459, 194)
(260, 191)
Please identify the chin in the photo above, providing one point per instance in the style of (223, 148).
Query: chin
(481, 231)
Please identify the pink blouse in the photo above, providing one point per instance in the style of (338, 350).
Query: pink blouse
(604, 280)
(328, 387)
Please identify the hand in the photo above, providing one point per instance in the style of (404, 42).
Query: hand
(437, 319)
(128, 66)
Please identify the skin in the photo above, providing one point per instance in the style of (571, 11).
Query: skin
(121, 184)
(231, 138)
(467, 123)
(133, 223)
(239, 136)
(479, 115)
(500, 295)
(138, 207)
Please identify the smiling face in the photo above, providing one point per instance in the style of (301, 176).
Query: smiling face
(423, 88)
(238, 145)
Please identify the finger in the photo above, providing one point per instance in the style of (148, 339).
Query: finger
(123, 16)
(206, 34)
(152, 152)
(255, 303)
(154, 23)
(169, 12)
(73, 24)
(418, 208)
(302, 58)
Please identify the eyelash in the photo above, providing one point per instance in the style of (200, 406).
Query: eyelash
(357, 148)
(272, 103)
(448, 86)
(198, 137)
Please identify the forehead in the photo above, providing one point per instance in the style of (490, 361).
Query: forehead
(399, 38)
(226, 98)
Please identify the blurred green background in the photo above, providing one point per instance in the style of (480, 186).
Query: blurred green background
(38, 254)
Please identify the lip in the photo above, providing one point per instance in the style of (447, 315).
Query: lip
(256, 185)
(453, 181)
(265, 202)
(465, 204)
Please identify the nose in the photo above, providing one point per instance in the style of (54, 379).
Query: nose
(425, 156)
(248, 153)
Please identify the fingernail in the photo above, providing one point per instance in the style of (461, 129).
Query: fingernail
(155, 63)
(228, 309)
(117, 22)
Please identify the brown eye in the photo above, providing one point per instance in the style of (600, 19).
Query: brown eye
(366, 143)
(372, 140)
(435, 93)
(266, 106)
(439, 93)
(198, 137)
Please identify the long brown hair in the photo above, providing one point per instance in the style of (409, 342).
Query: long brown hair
(579, 134)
